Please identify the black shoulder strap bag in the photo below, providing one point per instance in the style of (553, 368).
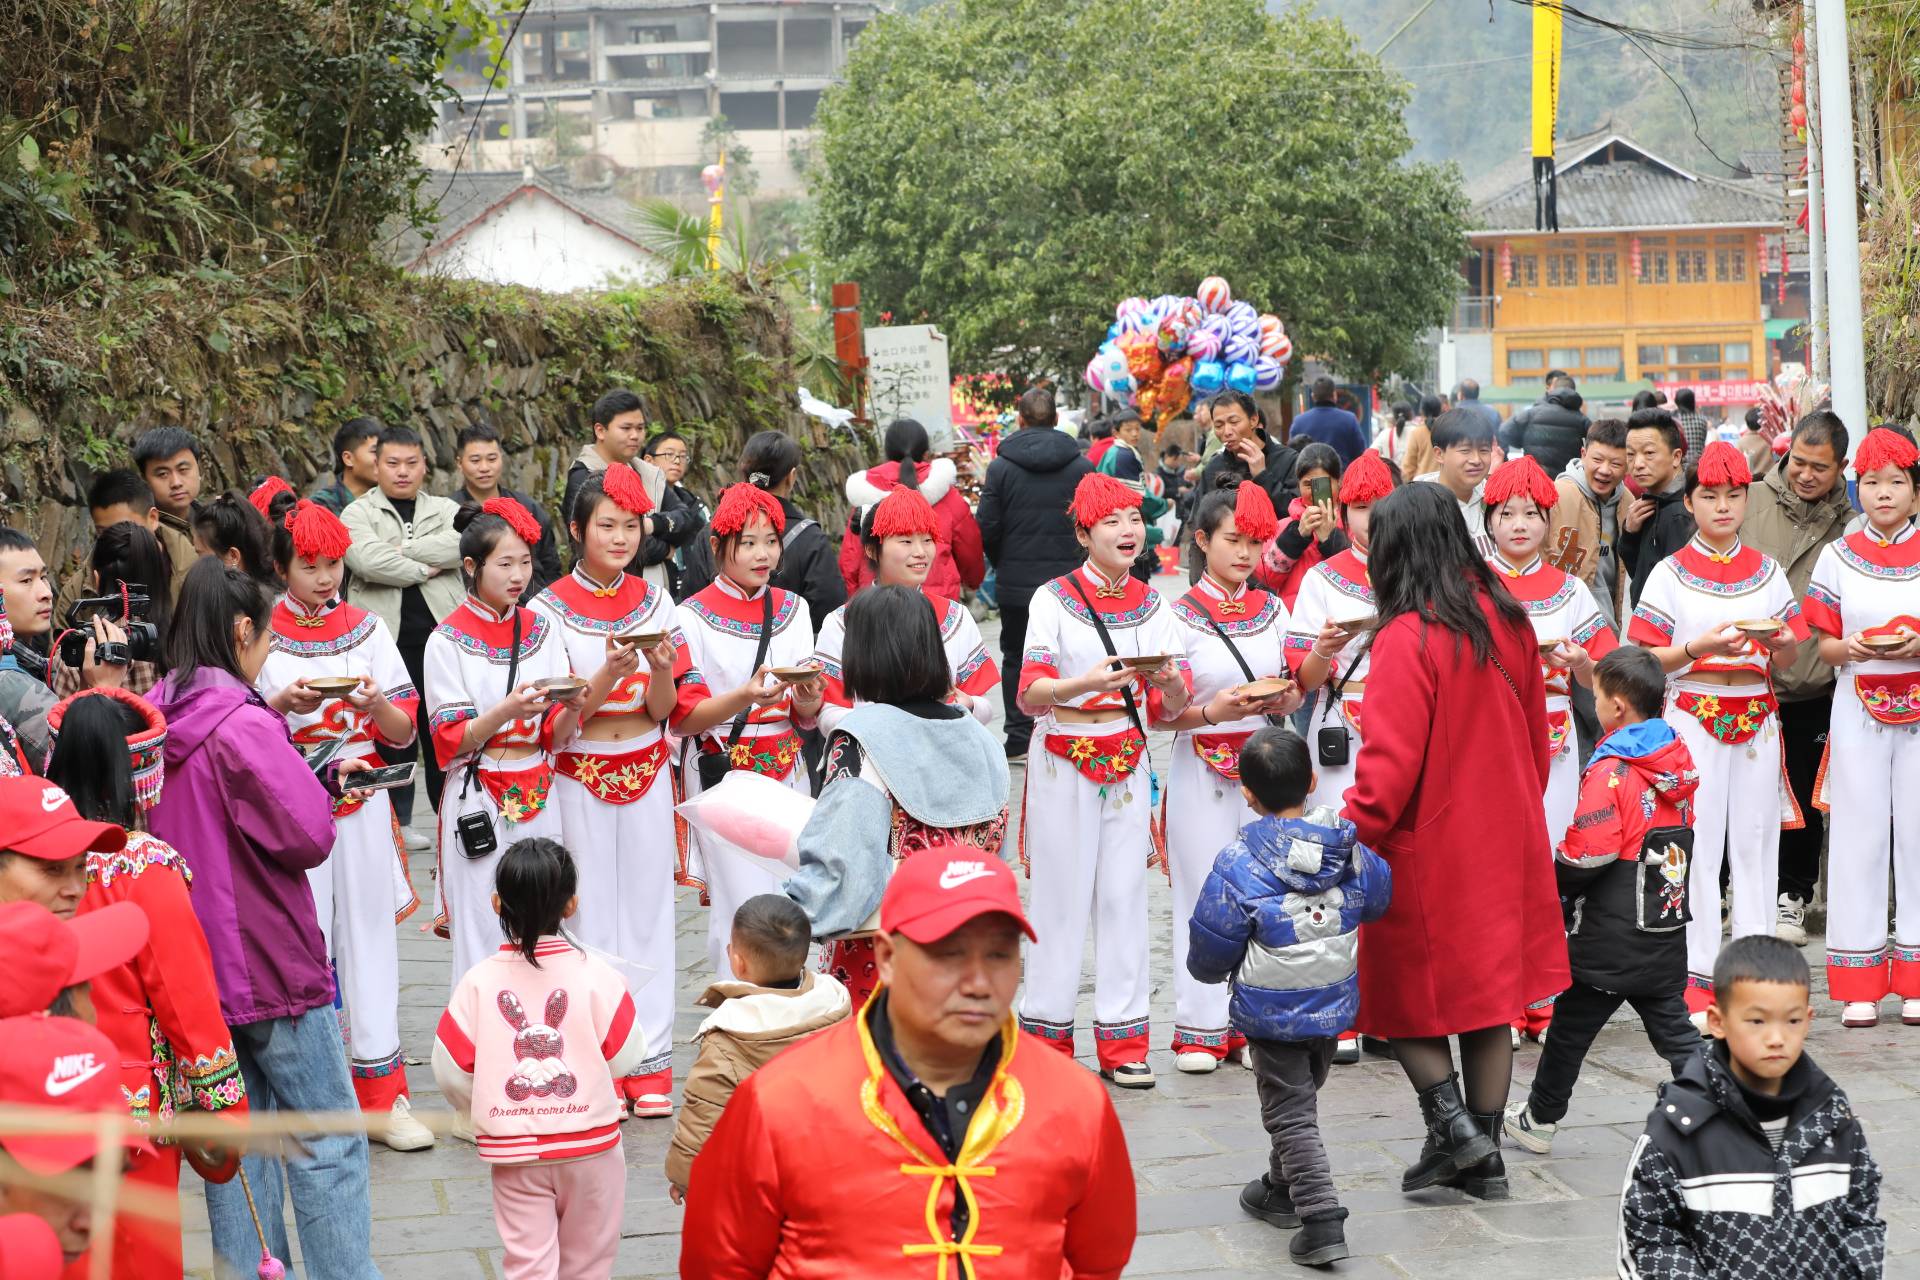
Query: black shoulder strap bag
(1106, 642)
(715, 765)
(474, 829)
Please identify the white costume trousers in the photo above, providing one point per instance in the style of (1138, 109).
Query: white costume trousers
(625, 858)
(359, 894)
(466, 884)
(1736, 818)
(731, 877)
(1204, 813)
(1086, 847)
(1563, 778)
(1873, 796)
(1330, 780)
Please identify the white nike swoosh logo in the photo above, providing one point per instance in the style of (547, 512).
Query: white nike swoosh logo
(57, 1087)
(950, 881)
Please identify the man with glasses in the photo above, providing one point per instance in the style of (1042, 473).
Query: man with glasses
(1463, 448)
(669, 451)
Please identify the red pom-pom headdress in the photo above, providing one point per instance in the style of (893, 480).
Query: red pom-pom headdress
(518, 518)
(147, 748)
(1884, 448)
(1098, 496)
(740, 504)
(1365, 481)
(628, 491)
(1722, 464)
(317, 533)
(901, 514)
(1520, 477)
(265, 492)
(1253, 513)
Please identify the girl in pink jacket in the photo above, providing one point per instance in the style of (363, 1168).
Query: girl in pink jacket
(529, 1047)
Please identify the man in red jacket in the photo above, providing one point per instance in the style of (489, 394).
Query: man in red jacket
(927, 1137)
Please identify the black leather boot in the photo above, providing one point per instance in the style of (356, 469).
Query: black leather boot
(1322, 1239)
(1488, 1179)
(1455, 1139)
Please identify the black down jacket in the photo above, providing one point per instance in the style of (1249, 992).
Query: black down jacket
(1024, 525)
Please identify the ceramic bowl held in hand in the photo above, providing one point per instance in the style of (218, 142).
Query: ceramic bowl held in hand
(1758, 628)
(1271, 687)
(793, 675)
(1146, 663)
(560, 688)
(1884, 644)
(642, 639)
(1547, 647)
(334, 686)
(1354, 626)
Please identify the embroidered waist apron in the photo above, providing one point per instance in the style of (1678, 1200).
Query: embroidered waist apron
(1220, 752)
(1737, 717)
(616, 772)
(1891, 699)
(771, 754)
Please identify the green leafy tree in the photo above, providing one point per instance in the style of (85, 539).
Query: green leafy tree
(1009, 169)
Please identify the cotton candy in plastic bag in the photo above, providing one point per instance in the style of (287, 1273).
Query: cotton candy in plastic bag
(754, 814)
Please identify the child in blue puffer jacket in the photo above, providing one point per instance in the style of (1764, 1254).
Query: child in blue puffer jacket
(1278, 917)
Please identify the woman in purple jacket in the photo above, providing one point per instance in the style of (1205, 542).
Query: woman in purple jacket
(250, 818)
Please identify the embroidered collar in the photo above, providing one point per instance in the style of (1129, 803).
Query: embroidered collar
(1896, 559)
(485, 612)
(595, 589)
(1872, 535)
(293, 621)
(1506, 569)
(728, 587)
(1100, 589)
(1700, 546)
(1224, 603)
(475, 619)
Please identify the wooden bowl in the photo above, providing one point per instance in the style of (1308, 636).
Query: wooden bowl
(334, 686)
(1758, 628)
(642, 639)
(1354, 626)
(1884, 644)
(1146, 663)
(1271, 687)
(793, 675)
(559, 688)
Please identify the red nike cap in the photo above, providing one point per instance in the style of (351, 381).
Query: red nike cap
(935, 891)
(48, 954)
(59, 1065)
(40, 821)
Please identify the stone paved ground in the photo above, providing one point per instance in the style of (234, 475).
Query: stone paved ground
(1195, 1140)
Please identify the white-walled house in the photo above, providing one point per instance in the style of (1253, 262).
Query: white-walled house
(519, 228)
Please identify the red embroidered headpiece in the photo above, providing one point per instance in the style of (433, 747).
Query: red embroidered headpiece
(740, 505)
(628, 491)
(318, 534)
(518, 518)
(147, 748)
(1520, 477)
(902, 513)
(265, 492)
(1253, 513)
(1884, 448)
(1097, 496)
(1365, 481)
(1722, 464)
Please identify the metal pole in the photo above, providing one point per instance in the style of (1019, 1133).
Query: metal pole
(1816, 229)
(1847, 351)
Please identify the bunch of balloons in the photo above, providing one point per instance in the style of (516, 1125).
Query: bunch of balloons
(1162, 352)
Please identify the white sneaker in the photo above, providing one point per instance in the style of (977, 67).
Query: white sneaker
(1131, 1075)
(1791, 923)
(416, 841)
(402, 1132)
(652, 1106)
(1346, 1050)
(1535, 1135)
(463, 1128)
(1194, 1062)
(1910, 1012)
(1858, 1013)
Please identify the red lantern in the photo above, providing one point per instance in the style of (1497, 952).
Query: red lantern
(1506, 262)
(1798, 115)
(1633, 259)
(1780, 287)
(1760, 253)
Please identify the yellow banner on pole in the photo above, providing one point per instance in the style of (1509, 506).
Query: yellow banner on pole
(1548, 21)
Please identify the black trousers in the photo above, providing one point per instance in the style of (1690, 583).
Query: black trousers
(1578, 1015)
(1803, 727)
(1013, 648)
(415, 658)
(1288, 1076)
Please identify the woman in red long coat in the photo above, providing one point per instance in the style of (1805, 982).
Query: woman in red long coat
(959, 563)
(1447, 787)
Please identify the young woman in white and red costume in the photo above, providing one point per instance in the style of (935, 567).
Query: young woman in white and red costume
(362, 890)
(721, 627)
(1202, 807)
(612, 784)
(1323, 653)
(1721, 703)
(1086, 833)
(898, 535)
(1866, 590)
(504, 729)
(1519, 497)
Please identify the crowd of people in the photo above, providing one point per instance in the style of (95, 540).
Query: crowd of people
(217, 735)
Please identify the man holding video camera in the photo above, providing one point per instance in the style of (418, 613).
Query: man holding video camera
(25, 692)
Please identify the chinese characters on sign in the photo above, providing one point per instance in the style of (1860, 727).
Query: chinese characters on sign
(908, 377)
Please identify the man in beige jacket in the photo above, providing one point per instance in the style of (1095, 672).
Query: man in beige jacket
(405, 567)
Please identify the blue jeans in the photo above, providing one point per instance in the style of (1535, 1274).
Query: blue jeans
(298, 1064)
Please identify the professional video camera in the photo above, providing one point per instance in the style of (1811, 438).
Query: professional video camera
(128, 612)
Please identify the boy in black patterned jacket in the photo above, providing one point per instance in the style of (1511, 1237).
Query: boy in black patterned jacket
(1753, 1163)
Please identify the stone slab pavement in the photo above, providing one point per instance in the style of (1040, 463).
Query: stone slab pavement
(1194, 1141)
